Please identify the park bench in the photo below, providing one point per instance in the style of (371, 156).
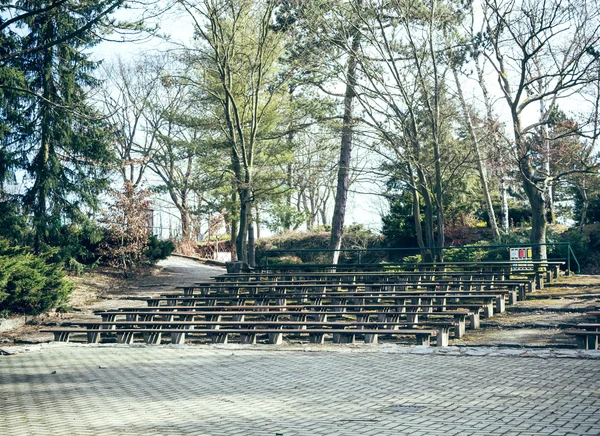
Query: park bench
(143, 314)
(489, 301)
(473, 279)
(587, 337)
(514, 291)
(341, 334)
(95, 328)
(542, 270)
(340, 299)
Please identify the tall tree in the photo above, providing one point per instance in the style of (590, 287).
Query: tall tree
(238, 56)
(67, 149)
(543, 53)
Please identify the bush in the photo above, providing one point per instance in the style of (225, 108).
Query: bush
(158, 250)
(285, 260)
(126, 233)
(30, 284)
(77, 245)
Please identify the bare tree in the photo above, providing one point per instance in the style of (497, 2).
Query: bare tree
(541, 52)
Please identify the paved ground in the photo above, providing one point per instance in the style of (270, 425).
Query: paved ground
(229, 390)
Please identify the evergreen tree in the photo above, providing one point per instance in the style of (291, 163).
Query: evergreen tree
(66, 152)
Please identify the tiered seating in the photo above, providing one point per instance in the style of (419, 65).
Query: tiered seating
(413, 306)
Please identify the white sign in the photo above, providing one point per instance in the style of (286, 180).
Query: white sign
(521, 254)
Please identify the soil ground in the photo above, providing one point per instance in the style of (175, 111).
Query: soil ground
(538, 321)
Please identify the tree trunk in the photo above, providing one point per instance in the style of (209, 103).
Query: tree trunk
(538, 213)
(504, 206)
(241, 242)
(550, 218)
(417, 212)
(251, 245)
(234, 227)
(584, 208)
(341, 197)
(257, 216)
(41, 162)
(480, 166)
(429, 233)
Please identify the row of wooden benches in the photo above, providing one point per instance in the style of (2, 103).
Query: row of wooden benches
(342, 304)
(540, 270)
(394, 309)
(451, 277)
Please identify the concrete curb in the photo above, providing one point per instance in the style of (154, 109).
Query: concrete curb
(539, 353)
(201, 259)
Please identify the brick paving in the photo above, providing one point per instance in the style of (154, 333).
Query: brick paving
(117, 390)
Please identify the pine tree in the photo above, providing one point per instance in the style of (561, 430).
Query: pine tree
(66, 152)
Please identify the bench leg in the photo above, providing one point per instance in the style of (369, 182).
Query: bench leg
(412, 316)
(221, 338)
(275, 339)
(500, 305)
(424, 340)
(317, 338)
(475, 323)
(249, 338)
(125, 338)
(592, 342)
(178, 338)
(152, 338)
(61, 336)
(109, 318)
(442, 338)
(488, 310)
(337, 339)
(460, 328)
(512, 297)
(539, 280)
(344, 338)
(371, 339)
(93, 336)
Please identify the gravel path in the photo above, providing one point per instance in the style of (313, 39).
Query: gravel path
(179, 271)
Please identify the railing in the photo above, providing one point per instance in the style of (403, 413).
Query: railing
(398, 255)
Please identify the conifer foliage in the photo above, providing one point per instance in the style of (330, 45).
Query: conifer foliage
(30, 284)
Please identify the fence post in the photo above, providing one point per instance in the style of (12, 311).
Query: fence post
(568, 272)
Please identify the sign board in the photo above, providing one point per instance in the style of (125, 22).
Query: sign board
(521, 254)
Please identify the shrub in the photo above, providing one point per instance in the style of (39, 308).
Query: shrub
(30, 284)
(158, 250)
(126, 234)
(285, 260)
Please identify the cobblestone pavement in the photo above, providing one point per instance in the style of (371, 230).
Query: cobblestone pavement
(117, 390)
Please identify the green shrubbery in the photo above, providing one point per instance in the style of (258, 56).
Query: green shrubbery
(158, 250)
(30, 284)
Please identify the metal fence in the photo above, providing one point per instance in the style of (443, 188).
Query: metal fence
(559, 251)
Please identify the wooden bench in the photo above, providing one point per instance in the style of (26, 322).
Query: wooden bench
(587, 338)
(377, 277)
(423, 336)
(523, 285)
(487, 301)
(513, 290)
(143, 314)
(542, 269)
